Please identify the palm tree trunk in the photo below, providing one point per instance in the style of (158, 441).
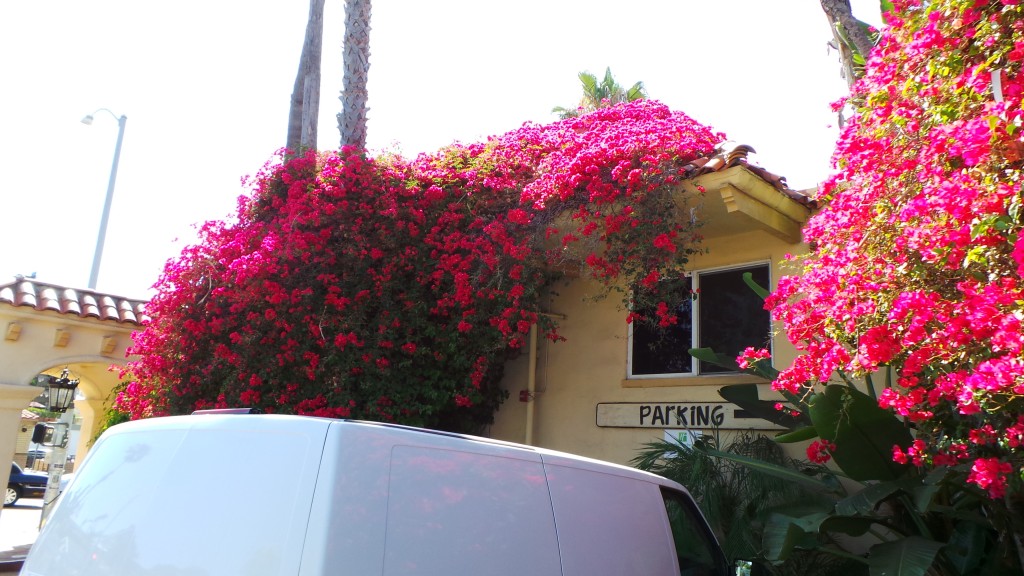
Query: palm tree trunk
(352, 119)
(839, 11)
(305, 103)
(845, 59)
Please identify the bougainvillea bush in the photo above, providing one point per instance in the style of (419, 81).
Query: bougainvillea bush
(917, 259)
(395, 290)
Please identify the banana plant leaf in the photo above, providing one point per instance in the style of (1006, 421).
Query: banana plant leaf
(959, 515)
(798, 435)
(911, 556)
(716, 358)
(863, 433)
(761, 291)
(783, 533)
(787, 474)
(852, 526)
(761, 368)
(867, 500)
(923, 496)
(967, 547)
(746, 397)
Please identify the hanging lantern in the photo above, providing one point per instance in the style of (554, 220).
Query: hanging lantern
(61, 392)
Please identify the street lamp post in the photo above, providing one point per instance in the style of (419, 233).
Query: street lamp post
(100, 239)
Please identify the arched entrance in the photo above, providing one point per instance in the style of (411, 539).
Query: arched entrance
(45, 328)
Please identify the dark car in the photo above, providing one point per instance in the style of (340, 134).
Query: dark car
(27, 483)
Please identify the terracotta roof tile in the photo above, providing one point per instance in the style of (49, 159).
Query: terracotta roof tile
(82, 303)
(729, 154)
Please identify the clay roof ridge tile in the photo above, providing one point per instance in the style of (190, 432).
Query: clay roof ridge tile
(63, 300)
(70, 303)
(25, 294)
(89, 306)
(48, 300)
(7, 294)
(125, 313)
(108, 308)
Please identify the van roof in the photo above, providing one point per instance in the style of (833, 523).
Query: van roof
(553, 457)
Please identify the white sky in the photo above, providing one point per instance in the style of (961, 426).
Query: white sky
(205, 85)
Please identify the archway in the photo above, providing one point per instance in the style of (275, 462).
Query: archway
(45, 328)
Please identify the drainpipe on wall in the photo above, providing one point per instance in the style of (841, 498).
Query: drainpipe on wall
(531, 378)
(531, 385)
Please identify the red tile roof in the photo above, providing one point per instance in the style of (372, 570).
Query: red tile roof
(729, 154)
(82, 303)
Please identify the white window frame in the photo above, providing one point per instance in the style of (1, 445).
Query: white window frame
(695, 332)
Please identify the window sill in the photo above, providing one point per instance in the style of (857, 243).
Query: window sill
(710, 380)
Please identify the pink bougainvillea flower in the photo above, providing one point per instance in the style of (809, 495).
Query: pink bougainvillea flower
(820, 451)
(393, 289)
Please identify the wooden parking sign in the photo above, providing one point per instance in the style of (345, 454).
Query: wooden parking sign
(684, 415)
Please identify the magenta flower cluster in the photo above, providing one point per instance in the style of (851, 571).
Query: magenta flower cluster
(917, 257)
(394, 289)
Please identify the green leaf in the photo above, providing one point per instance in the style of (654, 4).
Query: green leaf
(907, 557)
(966, 548)
(939, 475)
(811, 522)
(780, 537)
(798, 435)
(589, 82)
(866, 500)
(923, 496)
(784, 532)
(863, 433)
(746, 397)
(787, 474)
(885, 6)
(710, 356)
(636, 92)
(852, 526)
(761, 291)
(762, 368)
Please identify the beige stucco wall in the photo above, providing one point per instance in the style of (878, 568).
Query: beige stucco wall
(45, 343)
(590, 366)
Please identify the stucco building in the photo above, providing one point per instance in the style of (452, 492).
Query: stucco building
(46, 328)
(602, 393)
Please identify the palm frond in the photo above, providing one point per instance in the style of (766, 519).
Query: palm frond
(735, 498)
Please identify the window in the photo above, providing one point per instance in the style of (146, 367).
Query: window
(451, 512)
(609, 524)
(696, 548)
(726, 316)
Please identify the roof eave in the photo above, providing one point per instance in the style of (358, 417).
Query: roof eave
(746, 194)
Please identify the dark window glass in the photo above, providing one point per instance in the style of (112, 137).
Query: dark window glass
(696, 548)
(732, 316)
(727, 315)
(664, 351)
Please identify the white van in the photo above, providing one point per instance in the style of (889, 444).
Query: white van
(222, 495)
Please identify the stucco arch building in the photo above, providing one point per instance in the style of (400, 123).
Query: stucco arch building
(45, 328)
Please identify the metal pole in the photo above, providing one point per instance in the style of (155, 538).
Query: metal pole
(98, 255)
(58, 457)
